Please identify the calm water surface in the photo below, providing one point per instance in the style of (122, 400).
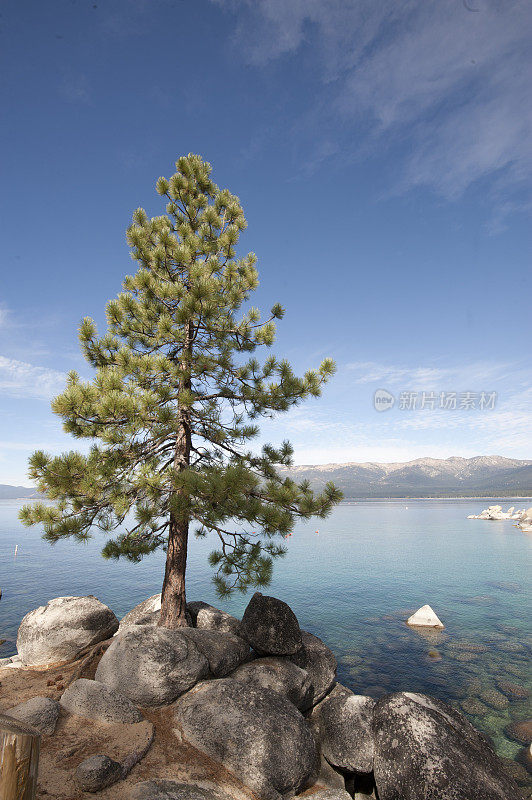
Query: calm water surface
(353, 583)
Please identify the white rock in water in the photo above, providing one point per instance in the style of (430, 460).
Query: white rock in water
(425, 617)
(496, 513)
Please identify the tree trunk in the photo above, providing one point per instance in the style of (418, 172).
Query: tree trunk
(173, 597)
(173, 601)
(19, 759)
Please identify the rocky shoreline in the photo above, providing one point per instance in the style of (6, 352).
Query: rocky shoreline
(521, 516)
(230, 708)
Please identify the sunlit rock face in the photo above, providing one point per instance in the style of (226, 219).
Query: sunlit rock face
(59, 631)
(94, 700)
(425, 750)
(151, 665)
(255, 733)
(425, 617)
(212, 619)
(143, 613)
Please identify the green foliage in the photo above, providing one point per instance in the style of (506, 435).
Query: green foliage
(176, 357)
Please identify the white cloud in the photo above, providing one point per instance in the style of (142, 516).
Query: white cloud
(344, 426)
(447, 85)
(21, 379)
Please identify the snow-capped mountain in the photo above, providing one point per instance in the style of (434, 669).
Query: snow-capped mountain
(481, 476)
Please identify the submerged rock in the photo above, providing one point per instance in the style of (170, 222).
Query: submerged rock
(520, 731)
(342, 723)
(95, 700)
(255, 733)
(513, 691)
(494, 699)
(474, 707)
(151, 665)
(59, 631)
(524, 757)
(271, 627)
(425, 750)
(41, 713)
(425, 617)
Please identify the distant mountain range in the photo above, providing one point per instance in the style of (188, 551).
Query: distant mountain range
(483, 476)
(15, 492)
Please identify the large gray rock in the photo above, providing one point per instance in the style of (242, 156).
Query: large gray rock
(94, 700)
(145, 613)
(205, 616)
(59, 631)
(425, 750)
(255, 733)
(278, 674)
(174, 790)
(151, 665)
(329, 794)
(343, 725)
(223, 651)
(320, 664)
(39, 712)
(271, 627)
(329, 777)
(96, 773)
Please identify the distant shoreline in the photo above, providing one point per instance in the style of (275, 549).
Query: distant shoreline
(350, 500)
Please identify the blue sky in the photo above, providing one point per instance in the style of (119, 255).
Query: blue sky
(382, 152)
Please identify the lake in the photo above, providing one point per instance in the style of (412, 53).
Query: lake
(352, 579)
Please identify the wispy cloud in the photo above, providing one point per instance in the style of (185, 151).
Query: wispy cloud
(447, 86)
(76, 89)
(24, 380)
(478, 375)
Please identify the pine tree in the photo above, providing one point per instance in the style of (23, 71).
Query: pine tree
(174, 402)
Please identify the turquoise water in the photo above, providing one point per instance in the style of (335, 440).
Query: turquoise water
(353, 584)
